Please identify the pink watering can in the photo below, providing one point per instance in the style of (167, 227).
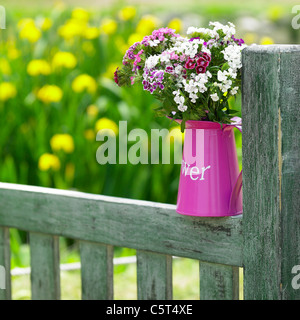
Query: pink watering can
(210, 182)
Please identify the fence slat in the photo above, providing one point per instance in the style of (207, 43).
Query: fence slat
(45, 271)
(271, 171)
(96, 271)
(5, 279)
(218, 282)
(154, 276)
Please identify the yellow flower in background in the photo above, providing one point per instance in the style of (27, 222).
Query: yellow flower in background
(70, 171)
(23, 22)
(105, 123)
(89, 134)
(28, 30)
(108, 26)
(84, 82)
(5, 67)
(127, 13)
(50, 93)
(276, 12)
(92, 110)
(91, 33)
(46, 24)
(80, 14)
(266, 40)
(175, 24)
(250, 38)
(38, 67)
(147, 24)
(72, 28)
(62, 142)
(49, 161)
(63, 59)
(13, 53)
(7, 91)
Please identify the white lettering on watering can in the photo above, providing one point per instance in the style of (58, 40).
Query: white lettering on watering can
(186, 170)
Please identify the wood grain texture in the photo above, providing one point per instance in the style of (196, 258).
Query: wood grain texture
(271, 224)
(218, 282)
(96, 271)
(154, 276)
(45, 271)
(5, 294)
(121, 222)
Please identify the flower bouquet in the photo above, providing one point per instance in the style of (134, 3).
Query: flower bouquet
(193, 77)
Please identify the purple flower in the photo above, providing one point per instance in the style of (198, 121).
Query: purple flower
(190, 64)
(202, 62)
(205, 56)
(153, 79)
(170, 69)
(145, 41)
(130, 55)
(238, 41)
(194, 38)
(200, 69)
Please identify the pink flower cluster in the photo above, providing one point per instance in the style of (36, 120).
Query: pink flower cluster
(159, 35)
(200, 62)
(137, 59)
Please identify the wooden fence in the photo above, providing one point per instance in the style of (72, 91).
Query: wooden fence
(265, 240)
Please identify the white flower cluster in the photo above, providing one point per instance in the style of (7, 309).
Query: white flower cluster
(179, 99)
(196, 84)
(189, 48)
(153, 43)
(228, 30)
(152, 61)
(225, 83)
(233, 54)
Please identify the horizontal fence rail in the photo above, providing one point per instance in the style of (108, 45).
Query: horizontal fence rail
(121, 222)
(99, 223)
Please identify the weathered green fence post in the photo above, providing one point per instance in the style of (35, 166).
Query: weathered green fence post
(271, 172)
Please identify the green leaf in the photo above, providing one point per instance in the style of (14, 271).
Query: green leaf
(232, 111)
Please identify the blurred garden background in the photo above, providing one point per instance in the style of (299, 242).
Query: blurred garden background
(57, 61)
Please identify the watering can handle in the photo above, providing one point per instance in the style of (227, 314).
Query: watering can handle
(239, 182)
